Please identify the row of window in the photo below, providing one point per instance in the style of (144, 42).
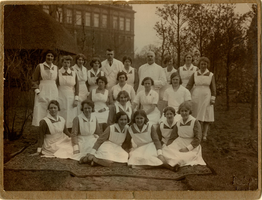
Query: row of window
(120, 23)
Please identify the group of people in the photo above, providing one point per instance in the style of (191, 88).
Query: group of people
(111, 113)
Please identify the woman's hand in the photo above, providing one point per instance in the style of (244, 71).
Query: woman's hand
(75, 103)
(102, 110)
(183, 150)
(212, 102)
(90, 157)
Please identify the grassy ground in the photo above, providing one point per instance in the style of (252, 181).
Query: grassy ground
(231, 152)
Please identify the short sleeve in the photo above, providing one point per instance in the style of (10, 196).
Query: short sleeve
(187, 95)
(165, 97)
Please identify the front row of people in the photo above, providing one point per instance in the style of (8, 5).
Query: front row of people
(133, 141)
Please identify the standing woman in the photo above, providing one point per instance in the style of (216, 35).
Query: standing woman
(169, 69)
(132, 74)
(100, 97)
(204, 95)
(68, 89)
(94, 73)
(148, 99)
(44, 84)
(81, 73)
(187, 70)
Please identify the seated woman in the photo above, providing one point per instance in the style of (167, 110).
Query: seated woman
(53, 136)
(147, 151)
(108, 148)
(183, 147)
(85, 130)
(120, 105)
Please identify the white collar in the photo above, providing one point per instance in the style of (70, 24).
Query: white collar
(165, 122)
(77, 67)
(82, 115)
(188, 119)
(191, 66)
(45, 64)
(51, 117)
(68, 70)
(95, 73)
(143, 128)
(130, 69)
(119, 129)
(206, 71)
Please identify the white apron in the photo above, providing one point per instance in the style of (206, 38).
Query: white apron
(128, 109)
(66, 93)
(57, 143)
(145, 152)
(186, 135)
(87, 138)
(92, 76)
(166, 130)
(186, 74)
(100, 103)
(111, 149)
(201, 95)
(48, 92)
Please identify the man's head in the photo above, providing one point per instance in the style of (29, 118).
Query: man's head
(110, 54)
(150, 57)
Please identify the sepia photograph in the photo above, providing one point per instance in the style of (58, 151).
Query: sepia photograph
(131, 100)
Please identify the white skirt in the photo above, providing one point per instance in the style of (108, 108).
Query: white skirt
(154, 116)
(144, 155)
(83, 93)
(102, 116)
(111, 151)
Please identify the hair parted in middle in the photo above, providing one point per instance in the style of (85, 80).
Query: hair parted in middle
(102, 78)
(87, 102)
(94, 60)
(120, 74)
(174, 75)
(147, 78)
(80, 55)
(171, 109)
(142, 113)
(119, 114)
(55, 102)
(123, 92)
(187, 105)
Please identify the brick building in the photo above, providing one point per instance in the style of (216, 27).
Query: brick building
(98, 27)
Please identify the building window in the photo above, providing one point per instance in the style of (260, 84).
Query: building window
(69, 16)
(59, 15)
(115, 24)
(104, 21)
(78, 18)
(46, 9)
(121, 23)
(128, 24)
(96, 20)
(87, 19)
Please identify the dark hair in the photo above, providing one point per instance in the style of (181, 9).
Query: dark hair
(167, 59)
(142, 113)
(120, 74)
(169, 109)
(55, 102)
(123, 92)
(174, 75)
(127, 58)
(147, 78)
(102, 78)
(66, 58)
(187, 105)
(108, 49)
(119, 114)
(203, 59)
(80, 56)
(190, 54)
(47, 51)
(95, 60)
(89, 103)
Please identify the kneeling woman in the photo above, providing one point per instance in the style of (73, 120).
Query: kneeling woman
(53, 137)
(147, 150)
(183, 147)
(85, 130)
(108, 148)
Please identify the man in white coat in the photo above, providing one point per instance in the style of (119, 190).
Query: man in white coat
(152, 70)
(111, 67)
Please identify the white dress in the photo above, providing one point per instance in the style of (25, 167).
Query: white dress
(87, 138)
(112, 148)
(130, 76)
(56, 143)
(100, 103)
(146, 101)
(48, 91)
(92, 76)
(167, 85)
(66, 95)
(145, 152)
(185, 73)
(201, 95)
(186, 135)
(83, 91)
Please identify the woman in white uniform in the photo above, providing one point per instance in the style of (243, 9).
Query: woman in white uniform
(108, 148)
(85, 130)
(148, 100)
(94, 73)
(81, 73)
(68, 90)
(203, 95)
(44, 85)
(132, 74)
(187, 69)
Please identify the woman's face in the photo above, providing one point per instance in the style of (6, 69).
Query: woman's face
(188, 59)
(147, 84)
(169, 115)
(66, 64)
(184, 113)
(170, 63)
(127, 63)
(123, 99)
(49, 58)
(101, 84)
(80, 61)
(139, 119)
(96, 65)
(175, 81)
(203, 66)
(122, 121)
(87, 110)
(53, 110)
(122, 78)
